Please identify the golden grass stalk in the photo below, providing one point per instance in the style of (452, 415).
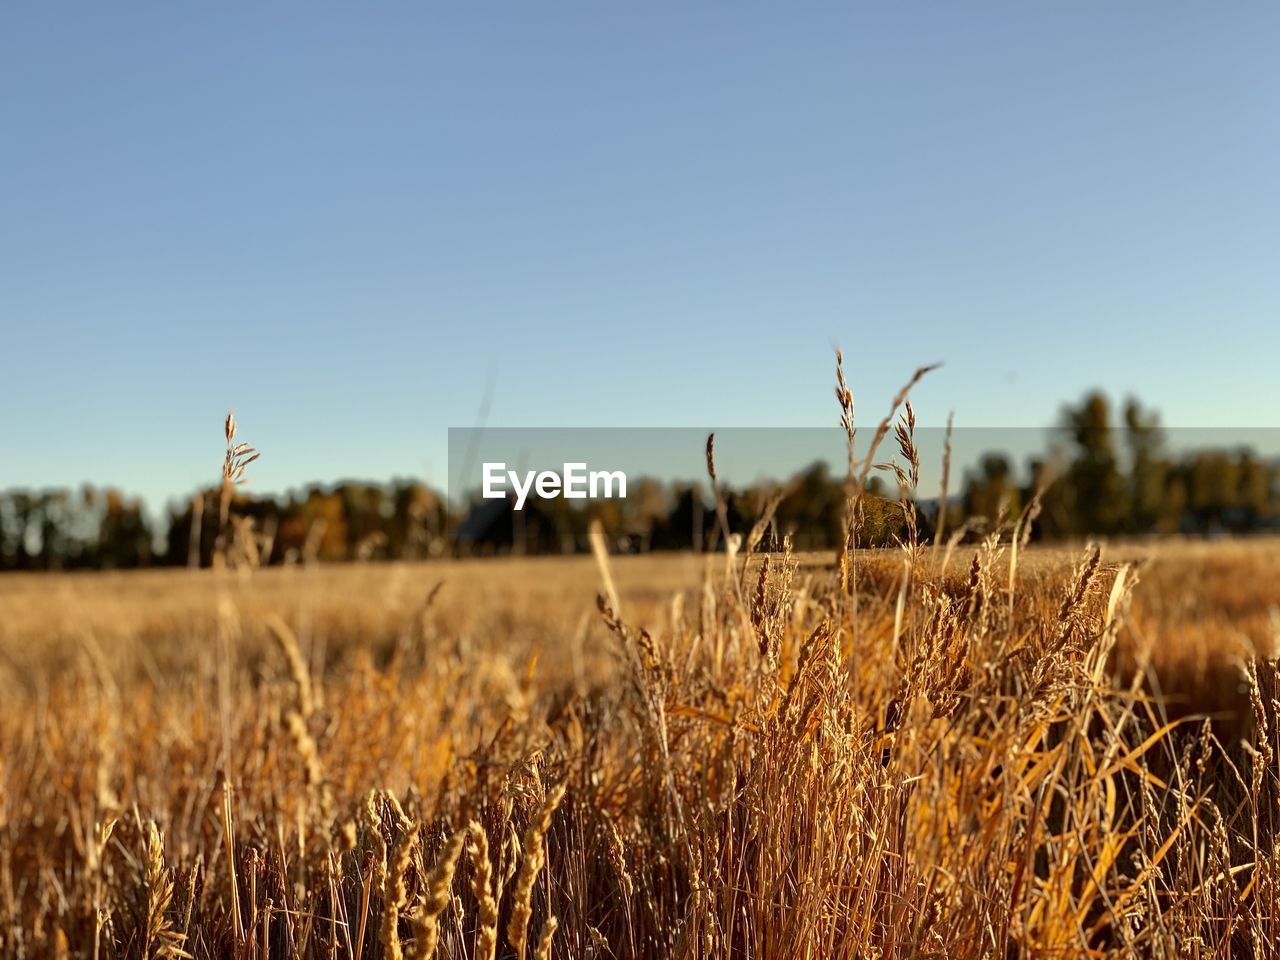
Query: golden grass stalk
(435, 897)
(543, 950)
(162, 941)
(235, 462)
(394, 893)
(229, 847)
(595, 535)
(940, 533)
(306, 746)
(287, 641)
(482, 890)
(531, 863)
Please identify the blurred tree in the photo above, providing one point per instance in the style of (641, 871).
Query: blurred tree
(366, 510)
(1173, 502)
(991, 493)
(813, 509)
(1255, 491)
(646, 504)
(1148, 470)
(417, 521)
(1214, 488)
(688, 524)
(124, 539)
(1097, 489)
(1090, 490)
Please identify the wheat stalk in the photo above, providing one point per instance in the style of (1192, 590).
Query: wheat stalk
(435, 897)
(543, 950)
(162, 942)
(234, 464)
(482, 890)
(530, 865)
(394, 894)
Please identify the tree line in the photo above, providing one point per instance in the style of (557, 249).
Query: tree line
(1112, 476)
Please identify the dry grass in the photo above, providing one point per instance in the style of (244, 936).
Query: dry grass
(295, 762)
(924, 752)
(927, 752)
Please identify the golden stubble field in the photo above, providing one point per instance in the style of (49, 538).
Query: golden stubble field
(796, 758)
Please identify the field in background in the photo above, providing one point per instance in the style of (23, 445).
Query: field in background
(473, 759)
(1201, 607)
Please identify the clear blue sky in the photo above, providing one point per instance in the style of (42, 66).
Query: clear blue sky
(344, 220)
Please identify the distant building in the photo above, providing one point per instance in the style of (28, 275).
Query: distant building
(497, 527)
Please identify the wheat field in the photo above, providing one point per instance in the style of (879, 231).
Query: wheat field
(661, 756)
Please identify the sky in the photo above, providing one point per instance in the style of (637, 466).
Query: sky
(359, 226)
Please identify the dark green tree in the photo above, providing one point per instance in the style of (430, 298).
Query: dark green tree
(1148, 470)
(1096, 488)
